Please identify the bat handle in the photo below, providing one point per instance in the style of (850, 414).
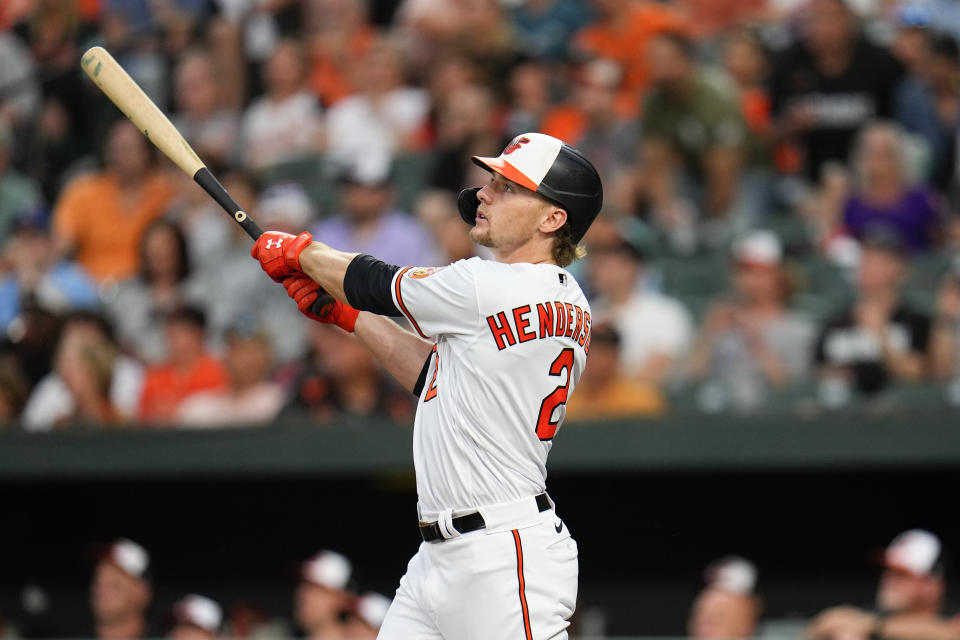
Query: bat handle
(211, 185)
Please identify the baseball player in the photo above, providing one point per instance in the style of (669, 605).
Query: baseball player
(496, 349)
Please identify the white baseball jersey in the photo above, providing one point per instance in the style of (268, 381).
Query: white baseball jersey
(511, 344)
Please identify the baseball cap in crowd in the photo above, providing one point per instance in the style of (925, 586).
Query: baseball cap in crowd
(199, 611)
(368, 170)
(286, 205)
(733, 574)
(372, 608)
(917, 552)
(129, 556)
(550, 167)
(327, 569)
(758, 249)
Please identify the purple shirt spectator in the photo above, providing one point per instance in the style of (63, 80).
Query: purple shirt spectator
(914, 218)
(397, 239)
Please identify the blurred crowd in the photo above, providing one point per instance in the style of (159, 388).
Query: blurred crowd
(781, 220)
(325, 604)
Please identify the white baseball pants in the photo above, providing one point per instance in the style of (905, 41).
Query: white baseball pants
(514, 579)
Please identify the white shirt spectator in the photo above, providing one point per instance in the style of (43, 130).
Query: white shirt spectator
(357, 126)
(650, 323)
(278, 131)
(51, 400)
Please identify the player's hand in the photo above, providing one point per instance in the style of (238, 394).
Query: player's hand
(306, 292)
(279, 253)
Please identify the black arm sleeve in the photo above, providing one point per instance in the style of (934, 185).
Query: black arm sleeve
(367, 285)
(422, 380)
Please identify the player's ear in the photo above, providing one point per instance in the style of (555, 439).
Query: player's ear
(553, 219)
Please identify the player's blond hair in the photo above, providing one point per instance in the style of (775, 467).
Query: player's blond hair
(565, 250)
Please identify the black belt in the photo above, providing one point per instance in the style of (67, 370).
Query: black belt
(430, 531)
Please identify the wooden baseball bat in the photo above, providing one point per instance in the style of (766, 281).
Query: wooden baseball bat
(117, 84)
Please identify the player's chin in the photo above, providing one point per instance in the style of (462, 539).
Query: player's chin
(480, 236)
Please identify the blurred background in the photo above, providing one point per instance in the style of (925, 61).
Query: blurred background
(763, 443)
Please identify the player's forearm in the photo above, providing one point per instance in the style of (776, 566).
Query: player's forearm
(400, 352)
(326, 266)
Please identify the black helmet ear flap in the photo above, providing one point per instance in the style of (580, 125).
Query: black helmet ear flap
(468, 202)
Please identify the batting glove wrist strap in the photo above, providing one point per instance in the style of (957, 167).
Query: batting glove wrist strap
(318, 305)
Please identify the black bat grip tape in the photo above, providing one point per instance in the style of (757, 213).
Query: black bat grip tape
(212, 186)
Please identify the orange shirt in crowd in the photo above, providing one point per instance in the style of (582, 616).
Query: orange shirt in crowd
(165, 386)
(329, 74)
(103, 230)
(625, 41)
(709, 18)
(621, 398)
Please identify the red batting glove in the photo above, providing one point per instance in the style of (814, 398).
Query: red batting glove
(305, 292)
(279, 253)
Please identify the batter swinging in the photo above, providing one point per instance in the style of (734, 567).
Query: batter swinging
(499, 346)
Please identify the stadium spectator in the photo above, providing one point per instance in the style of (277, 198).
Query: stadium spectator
(21, 96)
(879, 339)
(590, 122)
(698, 113)
(120, 593)
(187, 369)
(945, 337)
(251, 397)
(530, 89)
(910, 598)
(366, 616)
(202, 221)
(18, 192)
(138, 305)
(201, 118)
(369, 225)
(885, 195)
(322, 597)
(655, 330)
(746, 62)
(727, 607)
(659, 195)
(927, 103)
(55, 148)
(465, 127)
(99, 218)
(605, 392)
(622, 31)
(543, 28)
(232, 287)
(336, 31)
(827, 84)
(338, 378)
(196, 617)
(750, 341)
(91, 381)
(35, 274)
(384, 117)
(284, 123)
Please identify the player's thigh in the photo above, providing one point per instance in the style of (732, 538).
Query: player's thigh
(408, 615)
(515, 584)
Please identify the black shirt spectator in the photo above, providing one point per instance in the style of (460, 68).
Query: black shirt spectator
(829, 83)
(845, 343)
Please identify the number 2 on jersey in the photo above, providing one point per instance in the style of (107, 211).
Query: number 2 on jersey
(546, 425)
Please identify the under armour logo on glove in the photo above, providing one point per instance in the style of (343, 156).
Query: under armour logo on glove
(274, 243)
